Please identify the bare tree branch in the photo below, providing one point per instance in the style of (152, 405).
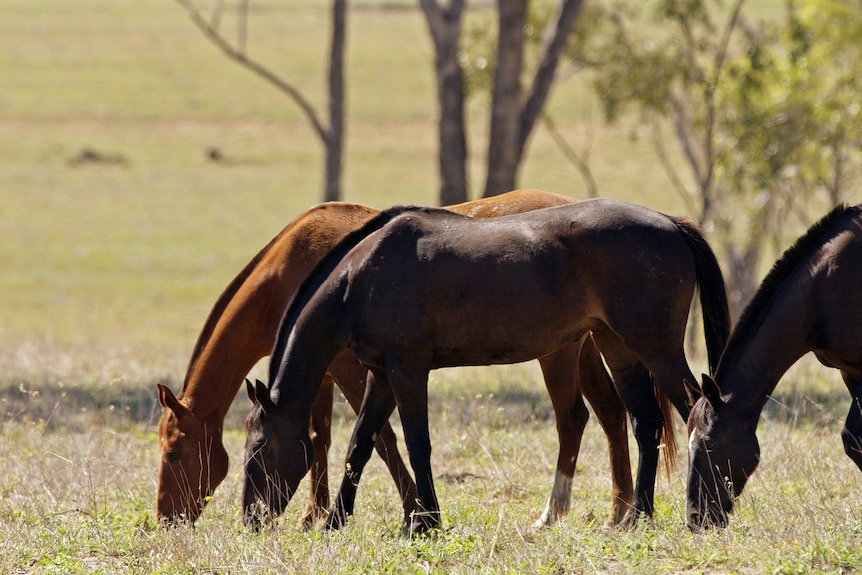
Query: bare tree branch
(238, 55)
(581, 163)
(553, 43)
(682, 124)
(242, 26)
(670, 170)
(215, 19)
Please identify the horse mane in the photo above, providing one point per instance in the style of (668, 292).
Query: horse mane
(755, 312)
(224, 299)
(318, 275)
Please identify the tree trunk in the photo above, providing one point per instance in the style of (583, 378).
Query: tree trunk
(505, 99)
(334, 137)
(553, 44)
(445, 28)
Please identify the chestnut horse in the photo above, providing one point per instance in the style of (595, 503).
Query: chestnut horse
(810, 301)
(241, 329)
(420, 288)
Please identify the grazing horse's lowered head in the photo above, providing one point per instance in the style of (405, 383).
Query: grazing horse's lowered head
(195, 461)
(274, 465)
(723, 453)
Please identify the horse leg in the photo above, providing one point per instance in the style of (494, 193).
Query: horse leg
(599, 391)
(377, 406)
(350, 376)
(634, 385)
(411, 394)
(560, 370)
(851, 435)
(321, 438)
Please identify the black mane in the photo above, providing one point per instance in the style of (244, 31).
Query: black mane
(756, 310)
(318, 275)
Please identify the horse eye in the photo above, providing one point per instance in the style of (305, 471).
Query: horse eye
(174, 456)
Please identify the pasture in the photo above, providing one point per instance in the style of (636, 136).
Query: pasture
(118, 234)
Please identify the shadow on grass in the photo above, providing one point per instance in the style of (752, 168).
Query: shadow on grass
(56, 406)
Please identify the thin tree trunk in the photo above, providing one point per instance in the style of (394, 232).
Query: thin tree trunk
(554, 43)
(334, 140)
(505, 99)
(445, 28)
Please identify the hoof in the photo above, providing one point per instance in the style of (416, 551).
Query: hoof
(422, 523)
(632, 519)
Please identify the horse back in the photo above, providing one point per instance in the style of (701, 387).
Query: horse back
(544, 277)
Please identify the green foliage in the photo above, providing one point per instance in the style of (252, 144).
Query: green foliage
(765, 117)
(780, 102)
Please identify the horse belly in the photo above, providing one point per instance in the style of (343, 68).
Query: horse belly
(505, 336)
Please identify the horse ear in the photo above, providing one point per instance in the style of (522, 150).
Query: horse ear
(249, 389)
(169, 400)
(712, 392)
(261, 394)
(692, 391)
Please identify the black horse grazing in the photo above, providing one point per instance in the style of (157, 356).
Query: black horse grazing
(810, 301)
(418, 288)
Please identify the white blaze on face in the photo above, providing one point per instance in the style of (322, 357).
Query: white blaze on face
(692, 438)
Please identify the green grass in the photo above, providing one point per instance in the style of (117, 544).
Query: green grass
(77, 490)
(108, 271)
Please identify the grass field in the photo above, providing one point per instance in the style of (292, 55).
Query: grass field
(110, 267)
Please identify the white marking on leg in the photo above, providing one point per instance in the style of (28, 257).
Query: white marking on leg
(558, 503)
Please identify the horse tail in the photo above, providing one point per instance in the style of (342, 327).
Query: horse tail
(668, 437)
(321, 271)
(713, 292)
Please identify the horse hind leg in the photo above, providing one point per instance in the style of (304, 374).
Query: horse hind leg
(560, 370)
(635, 388)
(599, 391)
(851, 435)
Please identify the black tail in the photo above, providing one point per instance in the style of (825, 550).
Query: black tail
(322, 270)
(713, 292)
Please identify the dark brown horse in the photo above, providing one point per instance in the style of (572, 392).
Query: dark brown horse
(417, 289)
(241, 329)
(810, 301)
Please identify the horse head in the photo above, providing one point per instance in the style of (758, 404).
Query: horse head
(278, 454)
(723, 452)
(192, 461)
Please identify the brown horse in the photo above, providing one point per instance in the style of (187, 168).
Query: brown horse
(417, 289)
(810, 301)
(242, 327)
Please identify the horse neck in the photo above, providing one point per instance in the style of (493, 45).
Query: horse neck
(219, 369)
(242, 336)
(317, 336)
(762, 356)
(243, 332)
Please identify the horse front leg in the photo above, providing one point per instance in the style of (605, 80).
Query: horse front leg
(410, 386)
(320, 430)
(377, 406)
(350, 376)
